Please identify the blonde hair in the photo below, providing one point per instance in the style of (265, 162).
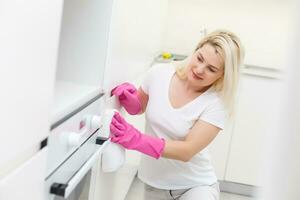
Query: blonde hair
(228, 45)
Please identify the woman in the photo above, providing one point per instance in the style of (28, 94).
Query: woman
(186, 107)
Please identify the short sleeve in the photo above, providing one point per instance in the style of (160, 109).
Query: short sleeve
(149, 78)
(215, 114)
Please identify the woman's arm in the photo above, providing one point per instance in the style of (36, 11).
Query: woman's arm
(129, 137)
(197, 139)
(143, 97)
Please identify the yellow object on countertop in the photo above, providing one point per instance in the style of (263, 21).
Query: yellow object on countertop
(166, 55)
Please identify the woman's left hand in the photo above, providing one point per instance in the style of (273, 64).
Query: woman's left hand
(123, 133)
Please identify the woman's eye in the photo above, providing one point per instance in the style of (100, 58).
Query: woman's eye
(199, 59)
(211, 69)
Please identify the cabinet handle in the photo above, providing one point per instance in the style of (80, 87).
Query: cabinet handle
(101, 140)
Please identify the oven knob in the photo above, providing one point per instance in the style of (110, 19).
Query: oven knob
(96, 122)
(103, 122)
(74, 139)
(70, 138)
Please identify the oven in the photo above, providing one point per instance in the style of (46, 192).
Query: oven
(75, 145)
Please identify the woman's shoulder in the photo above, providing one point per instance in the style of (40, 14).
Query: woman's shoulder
(214, 99)
(215, 111)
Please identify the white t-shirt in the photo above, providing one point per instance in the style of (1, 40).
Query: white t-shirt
(164, 121)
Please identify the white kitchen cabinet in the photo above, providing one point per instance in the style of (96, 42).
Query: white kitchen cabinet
(26, 181)
(238, 151)
(29, 40)
(115, 185)
(256, 120)
(82, 54)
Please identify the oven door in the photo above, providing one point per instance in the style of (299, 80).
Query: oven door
(76, 186)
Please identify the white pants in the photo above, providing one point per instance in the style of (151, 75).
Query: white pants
(197, 193)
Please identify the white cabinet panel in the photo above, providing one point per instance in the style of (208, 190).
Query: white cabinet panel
(135, 39)
(255, 121)
(83, 41)
(29, 40)
(27, 181)
(115, 185)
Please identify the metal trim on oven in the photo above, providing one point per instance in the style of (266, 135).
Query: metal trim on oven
(60, 187)
(64, 190)
(71, 155)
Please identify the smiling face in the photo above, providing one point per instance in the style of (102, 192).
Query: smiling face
(205, 67)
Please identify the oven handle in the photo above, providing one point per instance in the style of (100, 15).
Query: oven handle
(65, 190)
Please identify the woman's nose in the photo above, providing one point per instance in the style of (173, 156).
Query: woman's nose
(200, 69)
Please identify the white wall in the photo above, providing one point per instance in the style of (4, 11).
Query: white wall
(263, 27)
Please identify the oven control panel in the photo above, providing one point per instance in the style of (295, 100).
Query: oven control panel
(66, 138)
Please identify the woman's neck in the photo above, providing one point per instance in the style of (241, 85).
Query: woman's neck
(191, 89)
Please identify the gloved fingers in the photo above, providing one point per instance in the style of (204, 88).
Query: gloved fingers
(128, 86)
(117, 124)
(129, 95)
(119, 118)
(122, 96)
(115, 139)
(120, 93)
(117, 91)
(131, 89)
(115, 131)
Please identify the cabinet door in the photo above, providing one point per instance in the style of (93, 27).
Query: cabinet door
(114, 185)
(29, 40)
(255, 122)
(27, 181)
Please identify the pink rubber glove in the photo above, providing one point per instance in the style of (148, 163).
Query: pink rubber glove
(129, 137)
(128, 97)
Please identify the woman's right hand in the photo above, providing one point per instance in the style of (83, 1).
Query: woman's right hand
(129, 137)
(128, 97)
